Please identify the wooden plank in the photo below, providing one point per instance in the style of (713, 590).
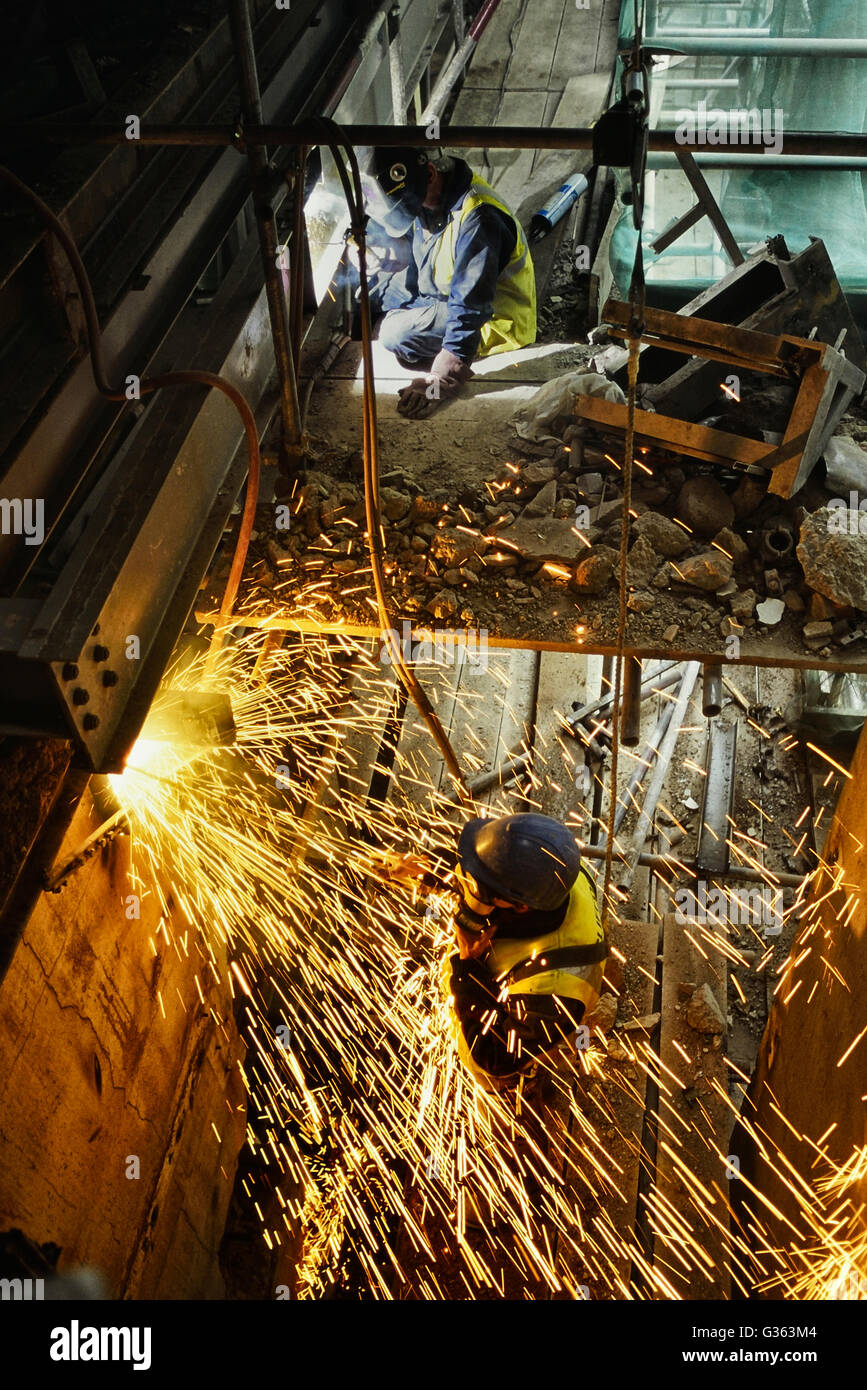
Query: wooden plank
(491, 59)
(688, 1203)
(608, 1129)
(535, 44)
(510, 169)
(581, 104)
(517, 720)
(577, 44)
(476, 106)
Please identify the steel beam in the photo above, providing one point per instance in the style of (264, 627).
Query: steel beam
(503, 137)
(141, 546)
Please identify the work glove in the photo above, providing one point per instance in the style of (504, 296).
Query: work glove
(447, 374)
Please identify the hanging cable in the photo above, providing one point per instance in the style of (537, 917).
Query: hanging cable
(635, 331)
(336, 141)
(193, 377)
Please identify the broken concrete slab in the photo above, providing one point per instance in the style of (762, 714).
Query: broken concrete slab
(833, 555)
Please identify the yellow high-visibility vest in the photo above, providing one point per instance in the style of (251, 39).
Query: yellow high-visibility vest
(513, 324)
(569, 962)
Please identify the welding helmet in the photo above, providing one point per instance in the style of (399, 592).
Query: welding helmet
(398, 187)
(527, 858)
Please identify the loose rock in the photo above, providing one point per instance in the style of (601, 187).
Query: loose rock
(703, 1013)
(833, 555)
(443, 605)
(666, 537)
(543, 503)
(641, 563)
(709, 570)
(705, 506)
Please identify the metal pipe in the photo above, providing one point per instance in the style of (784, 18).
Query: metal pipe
(711, 689)
(804, 143)
(723, 42)
(689, 868)
(630, 703)
(298, 260)
(257, 155)
(644, 765)
(666, 750)
(395, 66)
(660, 679)
(452, 71)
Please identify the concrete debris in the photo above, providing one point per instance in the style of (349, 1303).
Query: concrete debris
(703, 1013)
(642, 601)
(537, 474)
(743, 604)
(666, 537)
(710, 570)
(833, 555)
(548, 538)
(641, 563)
(646, 1023)
(394, 505)
(733, 544)
(453, 547)
(771, 611)
(671, 632)
(846, 464)
(793, 601)
(817, 634)
(543, 503)
(705, 506)
(748, 496)
(594, 573)
(592, 484)
(443, 605)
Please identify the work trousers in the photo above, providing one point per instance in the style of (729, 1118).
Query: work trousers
(415, 332)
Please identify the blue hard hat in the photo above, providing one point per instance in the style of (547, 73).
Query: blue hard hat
(526, 858)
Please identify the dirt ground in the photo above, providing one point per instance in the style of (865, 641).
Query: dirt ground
(487, 530)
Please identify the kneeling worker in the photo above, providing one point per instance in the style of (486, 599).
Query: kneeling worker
(469, 289)
(531, 947)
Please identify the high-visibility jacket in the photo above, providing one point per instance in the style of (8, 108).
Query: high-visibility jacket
(569, 962)
(513, 323)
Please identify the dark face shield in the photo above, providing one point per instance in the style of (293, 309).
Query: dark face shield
(395, 192)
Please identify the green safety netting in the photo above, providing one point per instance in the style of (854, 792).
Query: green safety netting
(797, 92)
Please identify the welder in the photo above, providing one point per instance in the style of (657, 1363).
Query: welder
(531, 946)
(468, 289)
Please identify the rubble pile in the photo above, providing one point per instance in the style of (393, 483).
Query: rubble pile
(710, 551)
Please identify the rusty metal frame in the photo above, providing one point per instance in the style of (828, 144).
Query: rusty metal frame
(827, 383)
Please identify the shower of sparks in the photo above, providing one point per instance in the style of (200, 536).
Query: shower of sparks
(371, 1150)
